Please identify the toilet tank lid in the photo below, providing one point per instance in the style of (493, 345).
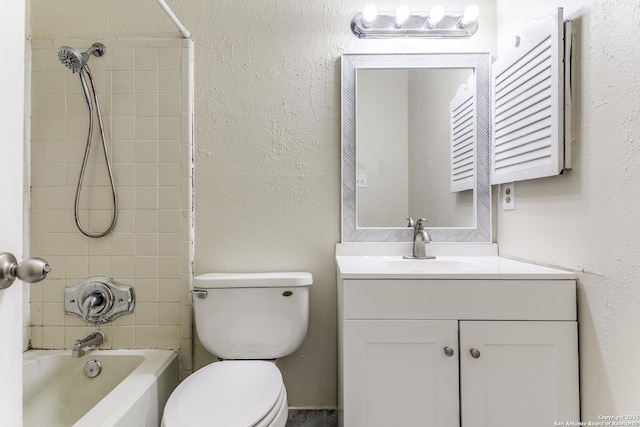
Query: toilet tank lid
(252, 280)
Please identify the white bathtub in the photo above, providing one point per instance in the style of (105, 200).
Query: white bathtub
(131, 390)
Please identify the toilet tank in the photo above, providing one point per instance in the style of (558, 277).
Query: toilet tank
(251, 315)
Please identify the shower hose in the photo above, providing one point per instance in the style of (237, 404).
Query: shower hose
(76, 212)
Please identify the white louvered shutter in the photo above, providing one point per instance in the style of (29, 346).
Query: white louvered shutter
(462, 121)
(528, 97)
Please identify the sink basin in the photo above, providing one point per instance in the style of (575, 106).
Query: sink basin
(428, 265)
(397, 265)
(437, 265)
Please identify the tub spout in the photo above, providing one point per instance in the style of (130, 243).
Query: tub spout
(84, 346)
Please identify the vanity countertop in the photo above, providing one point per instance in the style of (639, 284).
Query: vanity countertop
(453, 261)
(444, 267)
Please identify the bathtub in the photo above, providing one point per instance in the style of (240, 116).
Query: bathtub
(131, 390)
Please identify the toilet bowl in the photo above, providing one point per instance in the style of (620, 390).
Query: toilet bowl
(227, 394)
(248, 320)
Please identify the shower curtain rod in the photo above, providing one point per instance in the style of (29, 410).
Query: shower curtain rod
(185, 33)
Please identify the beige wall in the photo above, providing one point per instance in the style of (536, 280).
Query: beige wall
(588, 219)
(267, 136)
(143, 87)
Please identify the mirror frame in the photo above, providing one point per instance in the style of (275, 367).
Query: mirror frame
(481, 64)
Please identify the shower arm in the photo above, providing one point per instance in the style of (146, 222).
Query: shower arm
(185, 33)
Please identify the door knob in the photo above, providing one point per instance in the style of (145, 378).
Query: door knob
(475, 353)
(30, 270)
(448, 351)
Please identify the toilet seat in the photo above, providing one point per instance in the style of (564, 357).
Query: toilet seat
(234, 393)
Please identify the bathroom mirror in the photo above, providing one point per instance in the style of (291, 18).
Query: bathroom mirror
(396, 146)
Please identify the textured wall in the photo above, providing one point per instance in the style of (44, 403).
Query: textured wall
(267, 136)
(588, 219)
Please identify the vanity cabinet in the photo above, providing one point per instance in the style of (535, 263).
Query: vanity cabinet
(457, 353)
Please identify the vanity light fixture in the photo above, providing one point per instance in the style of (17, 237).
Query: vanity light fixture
(402, 14)
(368, 15)
(402, 23)
(435, 16)
(469, 16)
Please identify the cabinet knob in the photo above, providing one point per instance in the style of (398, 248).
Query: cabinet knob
(448, 351)
(475, 353)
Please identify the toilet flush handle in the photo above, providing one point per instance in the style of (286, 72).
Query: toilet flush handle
(199, 293)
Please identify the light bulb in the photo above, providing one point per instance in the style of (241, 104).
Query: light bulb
(402, 14)
(470, 15)
(369, 15)
(435, 16)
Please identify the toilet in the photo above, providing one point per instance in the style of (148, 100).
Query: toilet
(247, 320)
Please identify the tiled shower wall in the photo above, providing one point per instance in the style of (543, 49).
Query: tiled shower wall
(145, 89)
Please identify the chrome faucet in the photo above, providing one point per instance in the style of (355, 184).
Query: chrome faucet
(87, 345)
(420, 239)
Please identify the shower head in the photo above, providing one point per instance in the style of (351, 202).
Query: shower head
(74, 60)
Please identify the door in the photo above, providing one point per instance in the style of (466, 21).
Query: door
(12, 34)
(518, 373)
(397, 373)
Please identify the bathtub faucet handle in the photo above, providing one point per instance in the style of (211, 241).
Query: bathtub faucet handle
(93, 300)
(99, 300)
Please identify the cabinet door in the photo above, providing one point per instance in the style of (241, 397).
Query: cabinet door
(397, 373)
(523, 373)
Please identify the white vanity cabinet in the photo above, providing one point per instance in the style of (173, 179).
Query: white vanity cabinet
(471, 350)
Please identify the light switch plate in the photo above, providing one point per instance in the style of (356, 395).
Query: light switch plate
(508, 192)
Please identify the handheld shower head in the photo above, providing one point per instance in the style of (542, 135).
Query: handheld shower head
(74, 60)
(71, 58)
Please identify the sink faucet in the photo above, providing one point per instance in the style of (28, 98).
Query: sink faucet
(420, 239)
(82, 347)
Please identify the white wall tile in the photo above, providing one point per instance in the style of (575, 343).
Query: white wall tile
(146, 151)
(169, 151)
(124, 59)
(146, 337)
(146, 244)
(146, 290)
(146, 174)
(169, 105)
(147, 314)
(170, 290)
(169, 174)
(146, 82)
(123, 104)
(169, 82)
(146, 59)
(138, 81)
(146, 128)
(48, 105)
(123, 82)
(169, 337)
(123, 337)
(146, 197)
(123, 128)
